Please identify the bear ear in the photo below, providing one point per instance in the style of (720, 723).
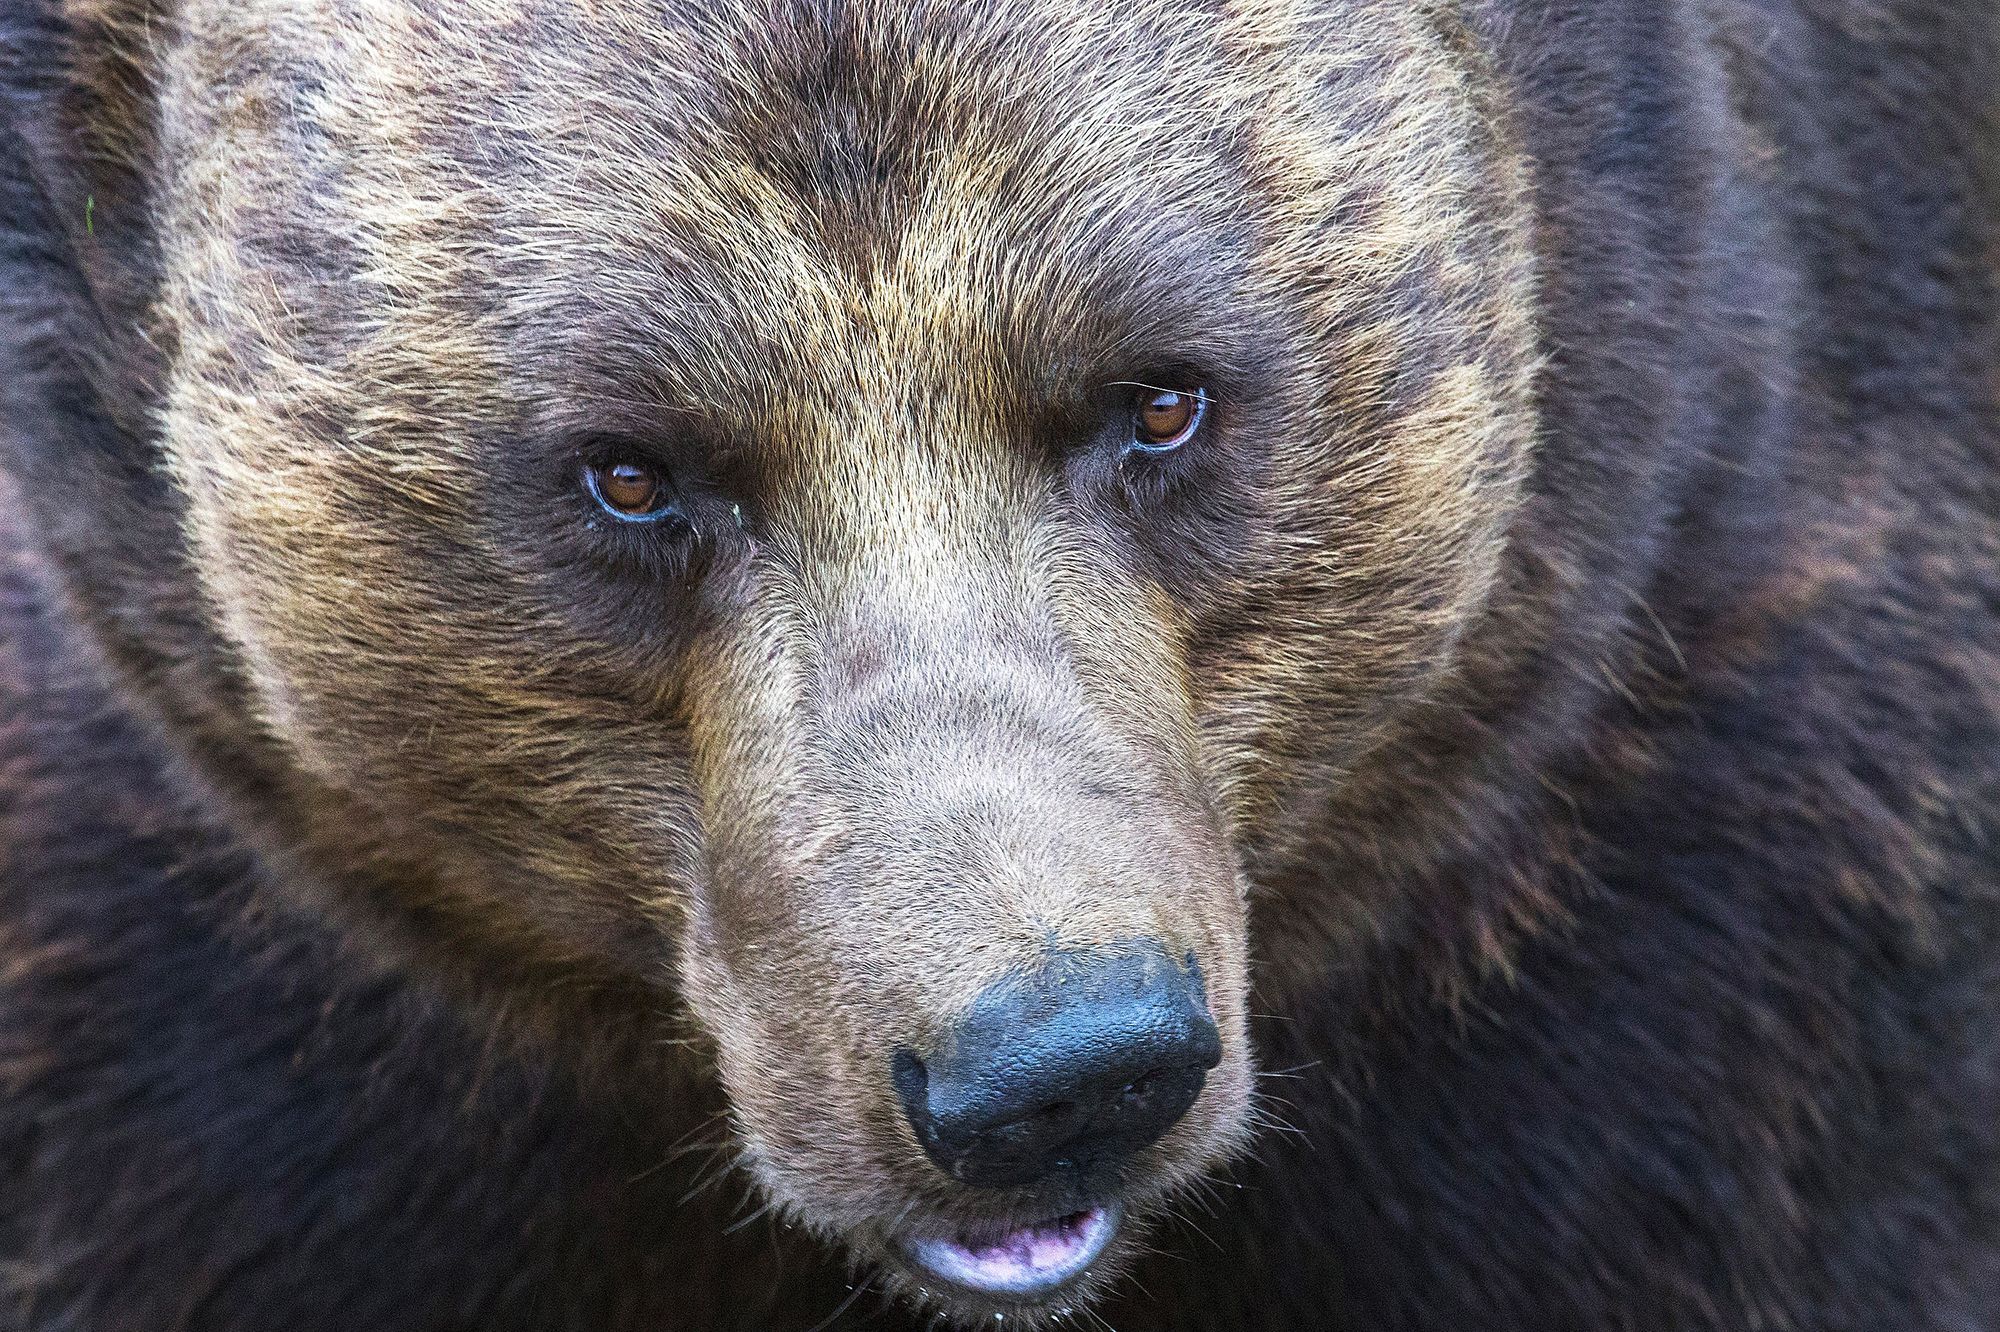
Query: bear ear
(81, 358)
(78, 263)
(80, 364)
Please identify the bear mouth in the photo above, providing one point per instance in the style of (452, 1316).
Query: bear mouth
(1023, 1263)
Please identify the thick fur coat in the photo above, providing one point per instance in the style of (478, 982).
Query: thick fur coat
(1557, 701)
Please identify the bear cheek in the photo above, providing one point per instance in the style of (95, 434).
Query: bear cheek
(813, 1131)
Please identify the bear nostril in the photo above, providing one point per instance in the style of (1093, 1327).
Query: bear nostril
(1082, 1064)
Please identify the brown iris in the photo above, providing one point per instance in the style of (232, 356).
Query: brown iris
(628, 489)
(1167, 419)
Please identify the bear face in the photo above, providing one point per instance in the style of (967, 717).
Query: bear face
(819, 510)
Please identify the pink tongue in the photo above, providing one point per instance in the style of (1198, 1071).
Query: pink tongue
(1032, 1249)
(1026, 1262)
(1026, 1259)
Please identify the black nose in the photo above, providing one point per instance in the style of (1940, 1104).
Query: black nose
(1071, 1069)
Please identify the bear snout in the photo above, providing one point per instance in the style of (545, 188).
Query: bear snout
(1069, 1070)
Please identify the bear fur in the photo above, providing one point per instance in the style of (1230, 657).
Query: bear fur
(1612, 784)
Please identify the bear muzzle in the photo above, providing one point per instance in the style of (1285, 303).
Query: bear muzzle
(1057, 1078)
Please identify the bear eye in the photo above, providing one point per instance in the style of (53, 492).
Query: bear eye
(1164, 419)
(629, 491)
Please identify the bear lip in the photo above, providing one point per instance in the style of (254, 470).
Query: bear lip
(1028, 1261)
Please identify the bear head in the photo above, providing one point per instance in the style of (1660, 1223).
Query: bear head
(870, 533)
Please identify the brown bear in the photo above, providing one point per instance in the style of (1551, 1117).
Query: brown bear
(795, 664)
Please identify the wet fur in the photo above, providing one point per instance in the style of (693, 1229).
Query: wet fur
(1584, 656)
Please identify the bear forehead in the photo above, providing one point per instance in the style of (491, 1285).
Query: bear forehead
(718, 199)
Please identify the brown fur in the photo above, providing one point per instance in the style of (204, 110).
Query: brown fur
(939, 686)
(906, 708)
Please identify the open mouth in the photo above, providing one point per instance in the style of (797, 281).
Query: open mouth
(1028, 1261)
